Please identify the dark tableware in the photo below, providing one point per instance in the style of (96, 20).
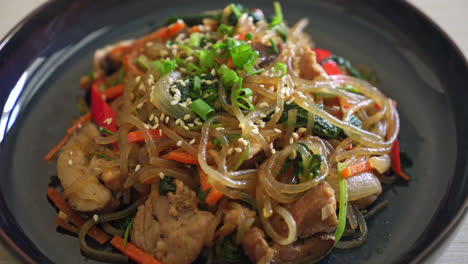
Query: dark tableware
(42, 59)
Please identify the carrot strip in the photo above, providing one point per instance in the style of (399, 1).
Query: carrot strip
(214, 195)
(113, 92)
(132, 251)
(356, 168)
(83, 120)
(230, 64)
(396, 163)
(175, 28)
(183, 156)
(66, 225)
(138, 136)
(96, 233)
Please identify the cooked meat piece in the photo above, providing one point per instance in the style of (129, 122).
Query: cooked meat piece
(307, 211)
(113, 179)
(266, 55)
(308, 66)
(301, 251)
(171, 228)
(83, 190)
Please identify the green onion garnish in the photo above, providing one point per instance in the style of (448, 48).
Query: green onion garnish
(229, 77)
(207, 59)
(120, 77)
(249, 36)
(201, 108)
(195, 39)
(257, 71)
(224, 29)
(164, 66)
(196, 85)
(127, 231)
(343, 208)
(280, 70)
(139, 62)
(235, 10)
(105, 131)
(278, 17)
(244, 156)
(273, 46)
(241, 97)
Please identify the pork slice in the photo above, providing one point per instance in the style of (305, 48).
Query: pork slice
(82, 189)
(307, 211)
(308, 66)
(171, 228)
(301, 251)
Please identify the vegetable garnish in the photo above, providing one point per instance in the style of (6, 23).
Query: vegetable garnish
(280, 70)
(183, 156)
(214, 195)
(138, 136)
(134, 253)
(166, 185)
(356, 168)
(241, 97)
(278, 17)
(273, 46)
(127, 231)
(342, 208)
(225, 30)
(105, 131)
(202, 109)
(396, 164)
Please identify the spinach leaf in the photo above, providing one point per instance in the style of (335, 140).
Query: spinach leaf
(232, 253)
(166, 185)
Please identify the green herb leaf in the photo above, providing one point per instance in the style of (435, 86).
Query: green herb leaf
(105, 131)
(207, 59)
(232, 253)
(195, 39)
(202, 194)
(166, 185)
(273, 46)
(224, 29)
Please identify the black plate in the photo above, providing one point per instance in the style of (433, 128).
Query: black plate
(42, 59)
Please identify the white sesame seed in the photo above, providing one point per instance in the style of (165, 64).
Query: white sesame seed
(140, 105)
(255, 131)
(180, 21)
(70, 162)
(161, 175)
(138, 78)
(191, 125)
(295, 135)
(220, 128)
(95, 218)
(141, 87)
(167, 119)
(187, 117)
(277, 130)
(177, 121)
(213, 72)
(171, 80)
(277, 109)
(160, 132)
(273, 151)
(155, 126)
(108, 121)
(261, 85)
(151, 117)
(174, 102)
(262, 115)
(230, 150)
(302, 130)
(192, 141)
(186, 128)
(156, 120)
(291, 140)
(272, 88)
(239, 150)
(149, 44)
(179, 143)
(137, 167)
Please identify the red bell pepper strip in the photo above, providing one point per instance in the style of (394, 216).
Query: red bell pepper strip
(102, 113)
(321, 54)
(331, 68)
(396, 164)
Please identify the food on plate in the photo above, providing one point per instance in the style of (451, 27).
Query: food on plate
(224, 137)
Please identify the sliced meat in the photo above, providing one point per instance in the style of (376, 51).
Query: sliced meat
(307, 211)
(82, 189)
(171, 228)
(308, 66)
(236, 216)
(301, 251)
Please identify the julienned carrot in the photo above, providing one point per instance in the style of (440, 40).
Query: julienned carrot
(132, 251)
(138, 136)
(230, 64)
(83, 120)
(356, 168)
(183, 156)
(214, 195)
(113, 92)
(96, 233)
(396, 163)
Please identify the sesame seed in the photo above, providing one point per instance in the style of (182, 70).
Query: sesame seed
(108, 121)
(277, 130)
(277, 109)
(155, 126)
(241, 126)
(161, 175)
(261, 85)
(186, 128)
(263, 115)
(179, 143)
(140, 105)
(239, 150)
(271, 145)
(167, 119)
(171, 80)
(295, 135)
(213, 72)
(70, 162)
(291, 140)
(230, 150)
(192, 141)
(306, 104)
(180, 21)
(174, 102)
(151, 117)
(95, 218)
(272, 88)
(220, 128)
(137, 167)
(302, 129)
(142, 87)
(138, 78)
(191, 125)
(255, 131)
(177, 121)
(273, 151)
(187, 117)
(79, 125)
(156, 120)
(160, 132)
(294, 154)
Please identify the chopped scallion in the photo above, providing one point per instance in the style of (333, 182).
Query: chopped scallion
(195, 39)
(201, 108)
(224, 29)
(249, 36)
(280, 70)
(105, 131)
(235, 10)
(273, 46)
